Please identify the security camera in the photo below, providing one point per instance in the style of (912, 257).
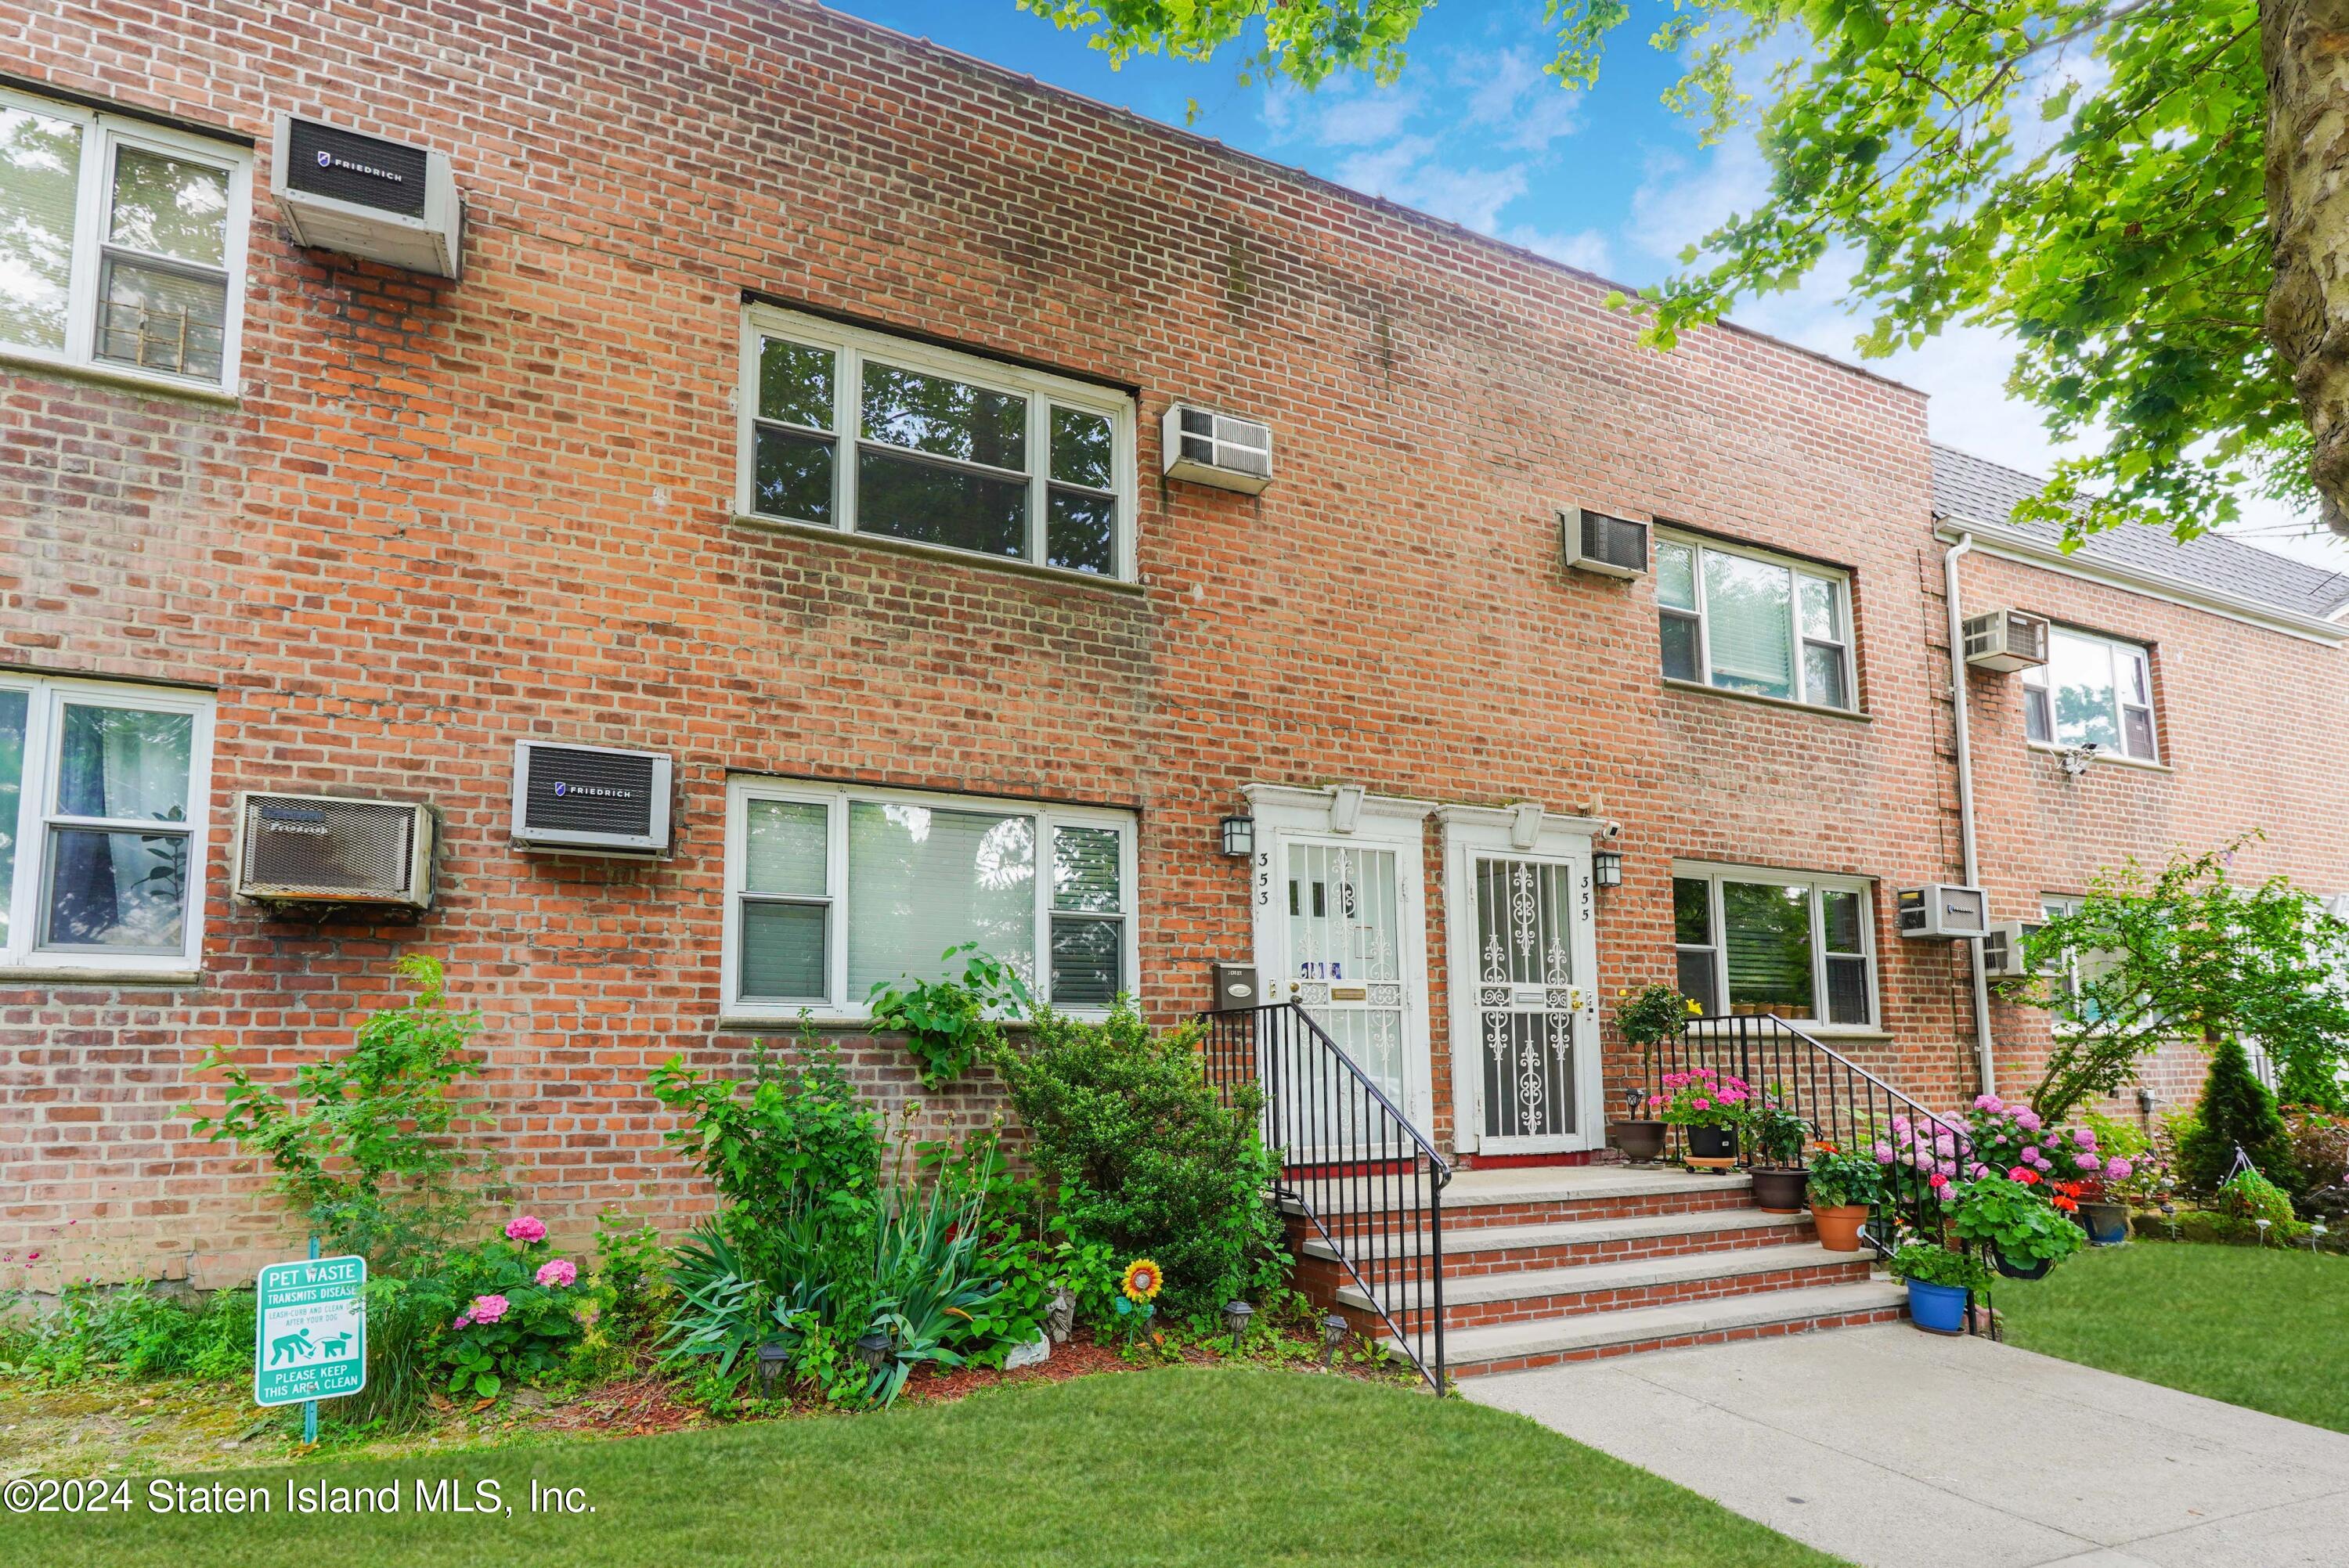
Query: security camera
(1611, 831)
(2077, 758)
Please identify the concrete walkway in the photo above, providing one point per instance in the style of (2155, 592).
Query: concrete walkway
(1893, 1448)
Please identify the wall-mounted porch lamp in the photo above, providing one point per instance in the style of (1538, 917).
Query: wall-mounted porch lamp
(1606, 867)
(1239, 837)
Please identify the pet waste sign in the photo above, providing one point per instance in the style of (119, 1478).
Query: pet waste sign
(312, 1340)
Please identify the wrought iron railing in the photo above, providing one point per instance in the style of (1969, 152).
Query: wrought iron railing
(1846, 1106)
(1352, 1163)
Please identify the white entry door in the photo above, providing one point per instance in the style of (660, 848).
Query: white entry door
(1340, 929)
(1524, 1042)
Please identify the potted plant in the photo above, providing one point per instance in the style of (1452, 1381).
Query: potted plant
(1645, 1019)
(2019, 1220)
(1842, 1188)
(1709, 1107)
(1938, 1280)
(1777, 1137)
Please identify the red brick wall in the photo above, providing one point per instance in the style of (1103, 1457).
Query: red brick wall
(445, 516)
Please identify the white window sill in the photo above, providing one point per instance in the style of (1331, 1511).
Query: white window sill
(38, 974)
(121, 375)
(1060, 575)
(2103, 758)
(1673, 683)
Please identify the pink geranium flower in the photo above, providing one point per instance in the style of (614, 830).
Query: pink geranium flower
(489, 1308)
(557, 1272)
(526, 1228)
(1703, 1103)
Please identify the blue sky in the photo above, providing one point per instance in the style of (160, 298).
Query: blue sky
(1610, 180)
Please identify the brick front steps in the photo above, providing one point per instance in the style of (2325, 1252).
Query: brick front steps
(1548, 1266)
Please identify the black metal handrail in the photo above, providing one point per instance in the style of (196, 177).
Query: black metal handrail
(1351, 1162)
(1846, 1106)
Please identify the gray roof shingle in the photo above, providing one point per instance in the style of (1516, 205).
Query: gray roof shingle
(1969, 488)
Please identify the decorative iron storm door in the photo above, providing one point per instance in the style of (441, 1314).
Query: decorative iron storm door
(1529, 1004)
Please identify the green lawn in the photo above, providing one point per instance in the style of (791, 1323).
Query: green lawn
(2268, 1329)
(1188, 1466)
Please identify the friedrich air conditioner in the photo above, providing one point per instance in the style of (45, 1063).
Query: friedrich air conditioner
(1216, 450)
(363, 196)
(1616, 546)
(590, 799)
(2005, 641)
(330, 849)
(1942, 910)
(2005, 950)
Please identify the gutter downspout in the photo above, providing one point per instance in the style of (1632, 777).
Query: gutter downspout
(1966, 800)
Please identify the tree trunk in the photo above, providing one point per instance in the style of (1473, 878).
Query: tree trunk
(2304, 48)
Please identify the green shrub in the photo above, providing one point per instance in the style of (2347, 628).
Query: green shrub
(2017, 1219)
(133, 1330)
(1145, 1159)
(948, 1023)
(2248, 1195)
(2320, 1145)
(2236, 1112)
(364, 1144)
(516, 1311)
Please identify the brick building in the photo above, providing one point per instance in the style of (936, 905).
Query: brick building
(797, 417)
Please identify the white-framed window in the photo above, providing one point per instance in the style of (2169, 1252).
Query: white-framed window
(121, 243)
(2092, 691)
(860, 431)
(2075, 965)
(102, 824)
(1753, 941)
(1746, 621)
(833, 890)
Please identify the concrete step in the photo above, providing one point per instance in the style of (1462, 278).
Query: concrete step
(1545, 1195)
(1532, 1293)
(1483, 1249)
(1547, 1342)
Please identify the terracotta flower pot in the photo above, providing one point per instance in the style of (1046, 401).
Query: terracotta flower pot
(1640, 1141)
(1838, 1226)
(1778, 1189)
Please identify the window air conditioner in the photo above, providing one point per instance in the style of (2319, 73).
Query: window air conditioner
(2005, 641)
(1216, 450)
(328, 849)
(1943, 910)
(363, 196)
(1597, 542)
(2005, 950)
(590, 799)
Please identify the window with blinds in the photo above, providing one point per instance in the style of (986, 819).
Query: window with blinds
(1750, 941)
(1747, 622)
(832, 891)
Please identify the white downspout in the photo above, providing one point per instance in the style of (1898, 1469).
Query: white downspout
(1966, 800)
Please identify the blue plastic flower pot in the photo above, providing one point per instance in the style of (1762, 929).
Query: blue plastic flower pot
(1937, 1308)
(2107, 1224)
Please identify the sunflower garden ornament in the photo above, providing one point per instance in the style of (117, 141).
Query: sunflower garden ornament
(1137, 1290)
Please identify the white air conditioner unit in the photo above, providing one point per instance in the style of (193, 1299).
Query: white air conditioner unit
(1216, 450)
(332, 848)
(1942, 910)
(2005, 641)
(590, 799)
(1616, 546)
(2005, 950)
(363, 196)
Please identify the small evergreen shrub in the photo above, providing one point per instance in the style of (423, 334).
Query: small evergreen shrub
(1145, 1158)
(2236, 1112)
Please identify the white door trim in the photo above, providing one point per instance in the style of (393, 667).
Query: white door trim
(1525, 832)
(1349, 814)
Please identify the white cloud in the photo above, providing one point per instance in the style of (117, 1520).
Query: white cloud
(1587, 249)
(1507, 91)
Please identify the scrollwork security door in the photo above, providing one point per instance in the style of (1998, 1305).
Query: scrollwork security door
(1345, 947)
(1529, 1002)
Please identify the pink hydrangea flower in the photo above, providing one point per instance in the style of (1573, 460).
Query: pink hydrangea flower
(2081, 1138)
(557, 1272)
(2117, 1169)
(1988, 1102)
(1883, 1154)
(2027, 1119)
(464, 1320)
(2086, 1161)
(526, 1228)
(489, 1308)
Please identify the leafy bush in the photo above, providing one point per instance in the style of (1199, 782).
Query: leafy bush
(630, 1285)
(2016, 1219)
(799, 1137)
(950, 1022)
(2320, 1145)
(2236, 1112)
(518, 1314)
(2311, 1079)
(1777, 1133)
(2248, 1195)
(137, 1331)
(1839, 1178)
(1143, 1157)
(363, 1144)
